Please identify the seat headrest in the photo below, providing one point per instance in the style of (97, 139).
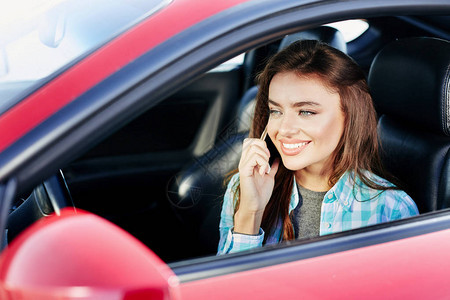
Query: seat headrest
(326, 34)
(410, 80)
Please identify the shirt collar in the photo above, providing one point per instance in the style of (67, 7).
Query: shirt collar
(342, 191)
(294, 197)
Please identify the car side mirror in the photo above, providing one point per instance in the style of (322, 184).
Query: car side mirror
(81, 256)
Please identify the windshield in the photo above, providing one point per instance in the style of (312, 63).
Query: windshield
(38, 37)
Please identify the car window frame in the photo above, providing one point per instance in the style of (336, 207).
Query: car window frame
(290, 251)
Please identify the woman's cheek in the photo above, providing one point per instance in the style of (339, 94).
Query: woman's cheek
(331, 128)
(272, 128)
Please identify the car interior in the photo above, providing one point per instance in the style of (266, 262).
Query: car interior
(162, 176)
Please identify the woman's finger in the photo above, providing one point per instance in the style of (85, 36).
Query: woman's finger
(265, 169)
(250, 142)
(248, 166)
(255, 149)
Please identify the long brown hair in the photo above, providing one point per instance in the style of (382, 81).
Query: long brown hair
(358, 148)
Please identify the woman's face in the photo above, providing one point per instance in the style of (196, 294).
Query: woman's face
(306, 122)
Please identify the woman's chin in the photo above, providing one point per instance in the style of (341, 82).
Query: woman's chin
(291, 166)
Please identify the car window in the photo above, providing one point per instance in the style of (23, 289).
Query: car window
(230, 64)
(181, 150)
(351, 29)
(39, 37)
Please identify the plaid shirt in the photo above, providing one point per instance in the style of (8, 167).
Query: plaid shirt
(349, 204)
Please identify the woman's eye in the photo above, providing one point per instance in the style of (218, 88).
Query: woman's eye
(306, 113)
(274, 112)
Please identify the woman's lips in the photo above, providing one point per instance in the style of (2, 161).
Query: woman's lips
(290, 148)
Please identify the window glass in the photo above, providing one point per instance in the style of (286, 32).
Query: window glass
(37, 37)
(230, 64)
(351, 29)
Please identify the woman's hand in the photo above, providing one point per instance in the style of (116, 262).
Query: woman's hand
(257, 180)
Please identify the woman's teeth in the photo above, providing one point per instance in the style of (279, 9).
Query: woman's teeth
(293, 146)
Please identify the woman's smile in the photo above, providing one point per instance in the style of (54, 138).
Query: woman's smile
(292, 147)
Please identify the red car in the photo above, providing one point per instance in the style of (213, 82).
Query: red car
(120, 119)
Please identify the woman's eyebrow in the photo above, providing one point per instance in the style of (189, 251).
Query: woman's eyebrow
(296, 104)
(274, 103)
(305, 103)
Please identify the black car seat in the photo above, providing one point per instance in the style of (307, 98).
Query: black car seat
(196, 192)
(410, 84)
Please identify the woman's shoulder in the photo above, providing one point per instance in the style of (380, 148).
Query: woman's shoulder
(399, 203)
(393, 197)
(378, 179)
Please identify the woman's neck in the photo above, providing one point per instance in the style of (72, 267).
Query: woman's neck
(312, 180)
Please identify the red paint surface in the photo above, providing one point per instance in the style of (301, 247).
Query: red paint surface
(178, 16)
(414, 268)
(82, 256)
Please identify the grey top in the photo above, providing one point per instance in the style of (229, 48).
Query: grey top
(306, 218)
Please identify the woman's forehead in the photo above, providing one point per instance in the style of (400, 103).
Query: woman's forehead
(289, 88)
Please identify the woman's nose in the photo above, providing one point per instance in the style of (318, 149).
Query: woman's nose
(288, 125)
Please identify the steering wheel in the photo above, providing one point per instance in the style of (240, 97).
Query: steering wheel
(47, 198)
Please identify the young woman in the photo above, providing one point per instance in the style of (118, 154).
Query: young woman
(323, 172)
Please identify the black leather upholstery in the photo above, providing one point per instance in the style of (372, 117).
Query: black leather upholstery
(196, 193)
(410, 85)
(326, 34)
(246, 110)
(410, 79)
